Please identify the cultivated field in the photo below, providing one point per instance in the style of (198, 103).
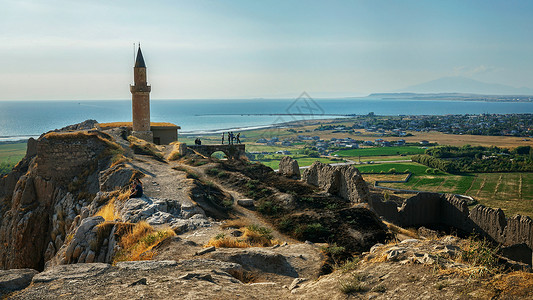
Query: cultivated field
(512, 192)
(381, 151)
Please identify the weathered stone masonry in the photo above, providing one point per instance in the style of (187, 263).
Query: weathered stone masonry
(445, 209)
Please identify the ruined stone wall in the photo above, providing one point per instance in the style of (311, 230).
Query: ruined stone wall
(427, 209)
(65, 157)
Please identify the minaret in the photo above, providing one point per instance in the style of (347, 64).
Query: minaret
(140, 100)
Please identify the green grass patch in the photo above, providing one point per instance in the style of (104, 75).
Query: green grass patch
(10, 155)
(381, 151)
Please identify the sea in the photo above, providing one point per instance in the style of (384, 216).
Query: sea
(20, 120)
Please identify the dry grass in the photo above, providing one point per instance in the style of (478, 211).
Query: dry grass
(514, 285)
(243, 275)
(237, 223)
(104, 137)
(118, 159)
(108, 211)
(177, 151)
(411, 232)
(227, 242)
(138, 242)
(253, 236)
(140, 146)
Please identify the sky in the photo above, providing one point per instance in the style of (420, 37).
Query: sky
(76, 50)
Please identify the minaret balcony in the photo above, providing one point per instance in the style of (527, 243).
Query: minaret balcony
(140, 88)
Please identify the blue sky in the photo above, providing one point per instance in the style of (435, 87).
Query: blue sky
(60, 49)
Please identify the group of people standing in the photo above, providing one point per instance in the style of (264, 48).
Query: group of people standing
(232, 138)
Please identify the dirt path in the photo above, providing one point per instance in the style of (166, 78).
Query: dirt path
(246, 215)
(164, 182)
(161, 181)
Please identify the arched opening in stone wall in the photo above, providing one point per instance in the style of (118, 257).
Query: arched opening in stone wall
(219, 155)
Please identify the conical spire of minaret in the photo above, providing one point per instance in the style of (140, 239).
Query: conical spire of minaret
(139, 62)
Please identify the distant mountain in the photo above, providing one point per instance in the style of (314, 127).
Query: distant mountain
(465, 85)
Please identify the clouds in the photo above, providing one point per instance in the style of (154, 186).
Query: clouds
(199, 49)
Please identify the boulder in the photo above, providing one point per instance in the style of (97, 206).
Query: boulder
(115, 178)
(15, 280)
(288, 167)
(246, 202)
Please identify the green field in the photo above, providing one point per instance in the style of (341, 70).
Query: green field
(400, 167)
(381, 151)
(273, 160)
(10, 155)
(512, 192)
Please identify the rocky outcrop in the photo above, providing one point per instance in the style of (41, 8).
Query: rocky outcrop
(163, 211)
(343, 181)
(289, 168)
(85, 125)
(116, 177)
(45, 193)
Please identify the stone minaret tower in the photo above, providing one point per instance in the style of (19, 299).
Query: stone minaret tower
(140, 100)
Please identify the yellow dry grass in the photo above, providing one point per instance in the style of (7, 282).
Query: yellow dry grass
(72, 134)
(144, 147)
(253, 236)
(227, 242)
(514, 285)
(411, 232)
(138, 242)
(237, 223)
(177, 151)
(108, 211)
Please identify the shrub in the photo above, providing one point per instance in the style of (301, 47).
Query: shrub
(286, 224)
(268, 208)
(481, 254)
(312, 232)
(350, 264)
(353, 284)
(212, 172)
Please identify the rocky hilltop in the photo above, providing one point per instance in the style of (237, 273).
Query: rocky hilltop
(208, 228)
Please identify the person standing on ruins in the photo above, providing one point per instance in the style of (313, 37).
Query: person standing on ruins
(222, 138)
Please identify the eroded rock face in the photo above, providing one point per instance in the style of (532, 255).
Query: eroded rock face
(44, 195)
(343, 181)
(289, 168)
